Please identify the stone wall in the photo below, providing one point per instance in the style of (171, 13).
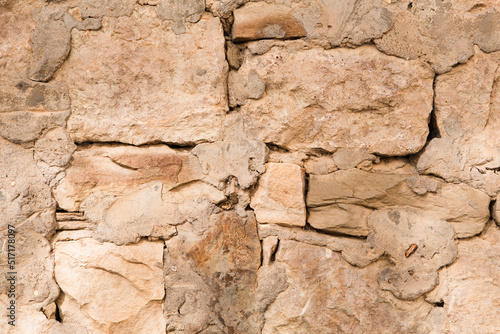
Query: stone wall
(236, 166)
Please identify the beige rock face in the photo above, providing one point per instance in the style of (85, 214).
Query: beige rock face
(324, 296)
(210, 279)
(468, 289)
(259, 20)
(468, 118)
(279, 198)
(162, 96)
(339, 96)
(443, 34)
(115, 170)
(343, 200)
(97, 279)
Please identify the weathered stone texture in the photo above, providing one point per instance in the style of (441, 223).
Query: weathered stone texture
(135, 81)
(98, 279)
(468, 118)
(279, 198)
(343, 200)
(339, 96)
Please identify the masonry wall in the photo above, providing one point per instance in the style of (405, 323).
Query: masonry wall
(235, 166)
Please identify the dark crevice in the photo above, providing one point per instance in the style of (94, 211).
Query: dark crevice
(308, 227)
(58, 314)
(272, 258)
(433, 127)
(438, 304)
(174, 146)
(277, 148)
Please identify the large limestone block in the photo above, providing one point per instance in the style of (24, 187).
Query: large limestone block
(468, 290)
(147, 212)
(468, 118)
(342, 201)
(279, 198)
(116, 170)
(327, 295)
(442, 33)
(136, 81)
(317, 99)
(111, 289)
(210, 279)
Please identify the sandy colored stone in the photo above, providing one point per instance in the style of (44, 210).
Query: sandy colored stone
(468, 289)
(55, 147)
(146, 212)
(181, 11)
(173, 89)
(324, 296)
(340, 200)
(279, 198)
(24, 126)
(442, 34)
(330, 99)
(468, 118)
(243, 159)
(210, 279)
(108, 288)
(115, 170)
(258, 20)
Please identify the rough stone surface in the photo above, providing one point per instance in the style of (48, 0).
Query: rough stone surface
(468, 117)
(279, 198)
(162, 97)
(155, 156)
(258, 20)
(115, 170)
(468, 289)
(342, 201)
(97, 279)
(338, 95)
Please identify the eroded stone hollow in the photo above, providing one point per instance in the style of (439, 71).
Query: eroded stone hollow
(247, 167)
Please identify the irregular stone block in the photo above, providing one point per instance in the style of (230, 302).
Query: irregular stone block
(55, 147)
(144, 213)
(323, 296)
(258, 20)
(418, 245)
(24, 126)
(115, 170)
(467, 289)
(317, 99)
(279, 198)
(243, 159)
(181, 11)
(173, 89)
(467, 115)
(98, 279)
(210, 279)
(339, 201)
(443, 34)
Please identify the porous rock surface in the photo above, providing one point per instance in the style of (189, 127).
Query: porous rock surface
(236, 166)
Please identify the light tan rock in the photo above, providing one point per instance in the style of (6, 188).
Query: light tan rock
(108, 288)
(320, 165)
(55, 147)
(116, 170)
(340, 201)
(468, 117)
(304, 110)
(181, 11)
(243, 159)
(324, 296)
(417, 244)
(468, 289)
(25, 127)
(210, 279)
(258, 20)
(166, 94)
(146, 212)
(279, 198)
(443, 34)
